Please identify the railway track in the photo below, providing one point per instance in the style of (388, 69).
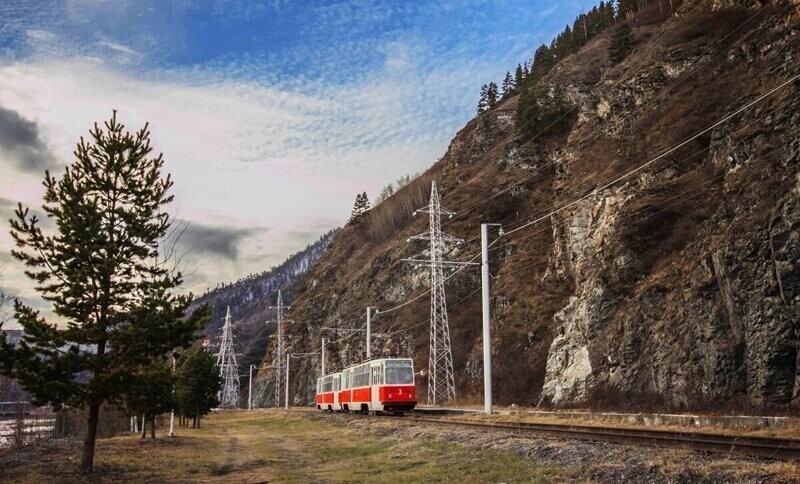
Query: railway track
(764, 447)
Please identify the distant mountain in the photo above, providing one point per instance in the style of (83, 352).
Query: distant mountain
(250, 299)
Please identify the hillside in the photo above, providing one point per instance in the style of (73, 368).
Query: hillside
(675, 286)
(250, 299)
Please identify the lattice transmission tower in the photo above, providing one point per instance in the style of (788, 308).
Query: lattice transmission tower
(228, 368)
(441, 382)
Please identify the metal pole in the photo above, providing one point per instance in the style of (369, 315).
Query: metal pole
(487, 347)
(250, 390)
(287, 381)
(369, 331)
(324, 340)
(172, 411)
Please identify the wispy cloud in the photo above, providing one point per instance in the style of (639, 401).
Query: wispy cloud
(270, 114)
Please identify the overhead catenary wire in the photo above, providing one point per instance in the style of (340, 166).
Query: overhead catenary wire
(590, 194)
(597, 131)
(659, 157)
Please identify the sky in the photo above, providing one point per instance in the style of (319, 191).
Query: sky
(271, 115)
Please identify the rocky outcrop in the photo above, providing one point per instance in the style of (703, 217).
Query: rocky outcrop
(653, 258)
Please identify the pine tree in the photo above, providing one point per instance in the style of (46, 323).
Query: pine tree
(491, 94)
(621, 43)
(518, 77)
(508, 84)
(609, 14)
(197, 384)
(483, 101)
(542, 61)
(101, 272)
(360, 207)
(364, 203)
(150, 393)
(528, 111)
(626, 9)
(355, 213)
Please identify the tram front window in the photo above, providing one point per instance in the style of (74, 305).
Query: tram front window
(401, 375)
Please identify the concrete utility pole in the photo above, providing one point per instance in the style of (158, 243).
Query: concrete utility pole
(287, 381)
(369, 330)
(250, 389)
(172, 411)
(324, 341)
(487, 330)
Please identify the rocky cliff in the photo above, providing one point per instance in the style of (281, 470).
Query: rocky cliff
(652, 244)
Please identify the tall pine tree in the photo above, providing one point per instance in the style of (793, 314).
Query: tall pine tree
(483, 101)
(621, 43)
(508, 84)
(491, 94)
(101, 271)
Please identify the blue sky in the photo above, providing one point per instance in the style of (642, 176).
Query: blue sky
(271, 115)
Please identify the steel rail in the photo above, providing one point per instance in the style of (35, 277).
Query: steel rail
(757, 446)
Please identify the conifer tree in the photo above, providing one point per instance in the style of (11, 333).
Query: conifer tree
(542, 61)
(528, 111)
(100, 271)
(360, 207)
(356, 211)
(150, 393)
(621, 43)
(197, 384)
(626, 9)
(518, 77)
(364, 203)
(508, 84)
(483, 101)
(491, 94)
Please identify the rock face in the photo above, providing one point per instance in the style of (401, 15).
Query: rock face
(656, 241)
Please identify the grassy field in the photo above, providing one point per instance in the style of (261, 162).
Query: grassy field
(268, 446)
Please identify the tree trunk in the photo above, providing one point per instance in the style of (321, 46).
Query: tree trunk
(194, 422)
(198, 420)
(153, 427)
(144, 427)
(87, 460)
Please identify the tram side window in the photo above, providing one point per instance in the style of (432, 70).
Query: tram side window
(327, 385)
(345, 379)
(361, 376)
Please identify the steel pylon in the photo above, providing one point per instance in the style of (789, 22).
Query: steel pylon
(441, 381)
(228, 368)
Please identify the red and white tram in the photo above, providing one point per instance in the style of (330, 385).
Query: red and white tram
(384, 385)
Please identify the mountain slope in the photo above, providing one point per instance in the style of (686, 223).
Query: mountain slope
(677, 284)
(250, 299)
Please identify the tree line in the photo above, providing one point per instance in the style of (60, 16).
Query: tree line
(117, 319)
(537, 108)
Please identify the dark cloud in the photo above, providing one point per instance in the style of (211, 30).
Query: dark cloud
(21, 142)
(223, 241)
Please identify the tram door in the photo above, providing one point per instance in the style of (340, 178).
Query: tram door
(376, 379)
(336, 388)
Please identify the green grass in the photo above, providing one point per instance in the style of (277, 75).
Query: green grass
(276, 447)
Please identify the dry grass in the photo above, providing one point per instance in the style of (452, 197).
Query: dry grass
(268, 446)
